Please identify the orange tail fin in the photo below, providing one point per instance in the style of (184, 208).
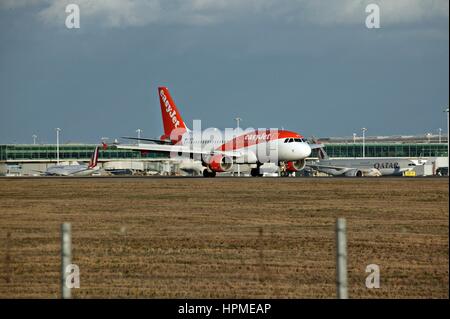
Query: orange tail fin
(173, 123)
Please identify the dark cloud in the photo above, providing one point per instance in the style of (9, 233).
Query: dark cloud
(270, 62)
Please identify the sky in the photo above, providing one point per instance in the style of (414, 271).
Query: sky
(311, 66)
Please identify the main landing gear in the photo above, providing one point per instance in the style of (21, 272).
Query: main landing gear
(256, 172)
(207, 173)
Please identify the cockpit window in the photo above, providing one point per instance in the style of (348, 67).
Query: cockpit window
(292, 140)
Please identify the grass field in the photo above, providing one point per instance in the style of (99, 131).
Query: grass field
(224, 237)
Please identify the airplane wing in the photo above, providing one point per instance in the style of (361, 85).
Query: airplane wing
(40, 172)
(68, 170)
(178, 149)
(168, 142)
(339, 168)
(58, 172)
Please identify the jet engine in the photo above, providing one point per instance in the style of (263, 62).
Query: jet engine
(295, 166)
(220, 163)
(361, 173)
(354, 173)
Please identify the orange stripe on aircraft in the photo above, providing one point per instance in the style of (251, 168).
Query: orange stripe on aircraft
(257, 137)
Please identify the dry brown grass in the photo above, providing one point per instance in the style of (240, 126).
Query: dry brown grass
(215, 238)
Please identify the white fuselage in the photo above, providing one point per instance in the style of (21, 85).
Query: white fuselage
(255, 147)
(384, 166)
(70, 170)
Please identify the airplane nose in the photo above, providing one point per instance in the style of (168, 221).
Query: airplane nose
(304, 150)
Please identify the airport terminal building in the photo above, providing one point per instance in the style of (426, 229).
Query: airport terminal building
(24, 159)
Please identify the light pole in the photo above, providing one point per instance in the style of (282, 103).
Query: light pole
(57, 144)
(139, 131)
(440, 135)
(447, 138)
(354, 138)
(238, 121)
(34, 139)
(429, 135)
(364, 130)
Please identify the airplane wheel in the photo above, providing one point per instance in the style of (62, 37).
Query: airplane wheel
(207, 173)
(255, 172)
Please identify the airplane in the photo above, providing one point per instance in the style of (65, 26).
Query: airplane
(218, 152)
(75, 170)
(358, 167)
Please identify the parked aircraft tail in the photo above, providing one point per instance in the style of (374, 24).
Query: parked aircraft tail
(320, 149)
(322, 154)
(94, 159)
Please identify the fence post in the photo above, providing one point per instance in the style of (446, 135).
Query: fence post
(341, 259)
(66, 257)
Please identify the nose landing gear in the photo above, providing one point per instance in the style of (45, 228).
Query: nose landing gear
(284, 172)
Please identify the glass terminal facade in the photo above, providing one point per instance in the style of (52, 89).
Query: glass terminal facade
(74, 152)
(386, 150)
(68, 153)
